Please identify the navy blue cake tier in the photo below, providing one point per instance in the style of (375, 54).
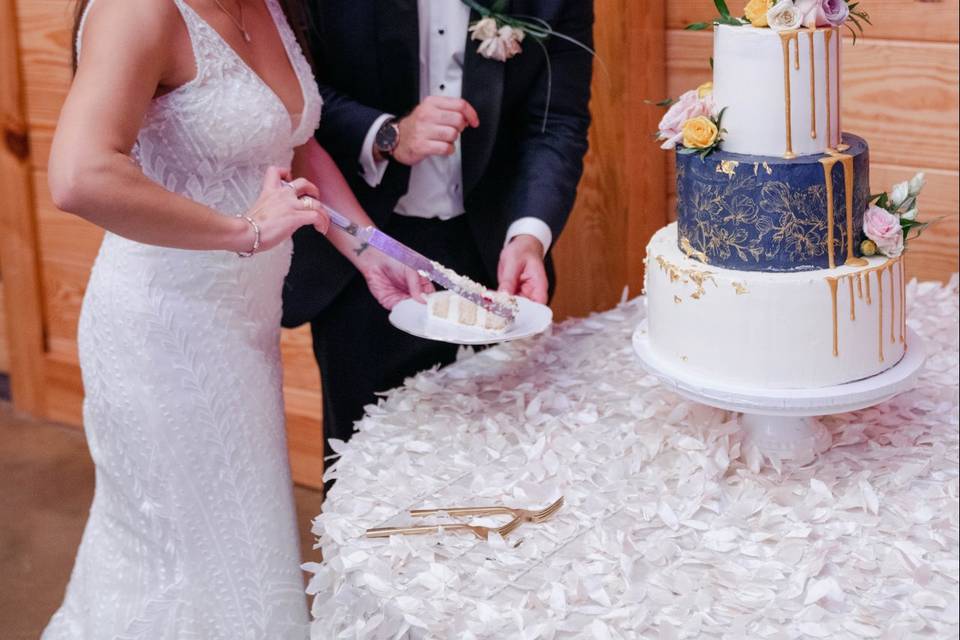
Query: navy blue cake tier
(762, 213)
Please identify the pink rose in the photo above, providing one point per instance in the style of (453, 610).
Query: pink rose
(688, 106)
(884, 229)
(823, 13)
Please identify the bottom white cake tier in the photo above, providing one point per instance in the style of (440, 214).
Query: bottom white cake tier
(774, 330)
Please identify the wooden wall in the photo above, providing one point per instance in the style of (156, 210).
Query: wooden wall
(623, 200)
(901, 93)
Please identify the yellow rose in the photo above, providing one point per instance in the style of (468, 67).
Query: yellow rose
(699, 133)
(704, 90)
(756, 12)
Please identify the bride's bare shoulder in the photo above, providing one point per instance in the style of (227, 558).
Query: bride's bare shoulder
(147, 21)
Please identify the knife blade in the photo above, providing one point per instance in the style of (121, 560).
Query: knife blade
(421, 264)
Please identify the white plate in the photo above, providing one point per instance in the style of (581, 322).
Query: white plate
(412, 317)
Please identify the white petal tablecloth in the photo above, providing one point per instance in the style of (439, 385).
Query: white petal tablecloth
(671, 528)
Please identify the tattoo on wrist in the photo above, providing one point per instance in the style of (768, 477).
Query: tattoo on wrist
(359, 250)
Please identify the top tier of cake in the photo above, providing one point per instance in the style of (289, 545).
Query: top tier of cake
(781, 90)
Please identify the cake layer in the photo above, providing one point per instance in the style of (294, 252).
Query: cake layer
(781, 90)
(774, 330)
(765, 213)
(447, 306)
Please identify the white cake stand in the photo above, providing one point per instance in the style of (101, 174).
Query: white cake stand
(782, 423)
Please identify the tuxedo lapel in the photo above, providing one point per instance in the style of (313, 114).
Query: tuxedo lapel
(398, 53)
(482, 88)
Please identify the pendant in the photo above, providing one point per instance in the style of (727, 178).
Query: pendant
(246, 36)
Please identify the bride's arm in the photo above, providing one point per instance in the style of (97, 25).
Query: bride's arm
(389, 281)
(128, 52)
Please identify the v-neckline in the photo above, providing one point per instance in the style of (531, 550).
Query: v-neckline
(294, 125)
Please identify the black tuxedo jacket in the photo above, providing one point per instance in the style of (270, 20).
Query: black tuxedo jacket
(366, 59)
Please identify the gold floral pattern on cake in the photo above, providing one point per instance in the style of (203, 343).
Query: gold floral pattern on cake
(725, 219)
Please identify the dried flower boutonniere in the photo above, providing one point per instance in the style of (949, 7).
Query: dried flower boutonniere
(501, 36)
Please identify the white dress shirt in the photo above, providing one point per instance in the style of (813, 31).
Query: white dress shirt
(436, 183)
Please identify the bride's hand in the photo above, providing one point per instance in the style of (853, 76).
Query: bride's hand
(391, 282)
(282, 208)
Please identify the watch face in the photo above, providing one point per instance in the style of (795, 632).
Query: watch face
(387, 137)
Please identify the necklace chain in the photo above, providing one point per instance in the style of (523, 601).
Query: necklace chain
(239, 24)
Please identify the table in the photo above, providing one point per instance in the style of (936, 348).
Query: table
(672, 528)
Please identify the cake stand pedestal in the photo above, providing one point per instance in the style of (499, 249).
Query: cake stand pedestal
(783, 423)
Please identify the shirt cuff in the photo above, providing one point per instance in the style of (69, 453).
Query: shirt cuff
(372, 170)
(534, 227)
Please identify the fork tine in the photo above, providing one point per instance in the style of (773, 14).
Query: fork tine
(510, 527)
(548, 512)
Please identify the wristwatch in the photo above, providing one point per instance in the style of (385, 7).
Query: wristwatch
(388, 137)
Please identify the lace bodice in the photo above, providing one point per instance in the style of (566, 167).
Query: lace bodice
(212, 138)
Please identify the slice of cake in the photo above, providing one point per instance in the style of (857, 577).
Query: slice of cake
(451, 306)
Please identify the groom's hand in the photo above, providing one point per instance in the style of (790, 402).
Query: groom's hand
(433, 128)
(521, 270)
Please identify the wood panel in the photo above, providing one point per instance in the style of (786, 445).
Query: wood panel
(18, 259)
(926, 20)
(621, 201)
(4, 349)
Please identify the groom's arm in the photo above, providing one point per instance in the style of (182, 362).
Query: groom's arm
(551, 157)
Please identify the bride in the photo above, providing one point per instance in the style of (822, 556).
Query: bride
(178, 138)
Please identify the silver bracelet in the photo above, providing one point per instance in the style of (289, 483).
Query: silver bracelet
(256, 237)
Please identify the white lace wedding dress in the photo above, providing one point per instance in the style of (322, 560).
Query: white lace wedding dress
(192, 531)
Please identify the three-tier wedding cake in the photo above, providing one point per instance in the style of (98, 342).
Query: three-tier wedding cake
(762, 281)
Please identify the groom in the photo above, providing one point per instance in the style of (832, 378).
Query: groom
(459, 155)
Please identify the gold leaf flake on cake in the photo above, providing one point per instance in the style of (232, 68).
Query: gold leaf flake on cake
(695, 276)
(728, 167)
(688, 249)
(740, 288)
(768, 169)
(677, 299)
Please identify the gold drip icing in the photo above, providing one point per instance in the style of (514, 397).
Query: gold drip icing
(853, 307)
(893, 312)
(827, 35)
(880, 307)
(859, 287)
(890, 265)
(813, 87)
(847, 163)
(785, 39)
(903, 301)
(832, 282)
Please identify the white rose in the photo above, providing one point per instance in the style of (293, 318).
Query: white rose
(910, 215)
(809, 10)
(917, 183)
(484, 29)
(784, 16)
(899, 194)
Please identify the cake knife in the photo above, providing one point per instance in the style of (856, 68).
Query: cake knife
(400, 252)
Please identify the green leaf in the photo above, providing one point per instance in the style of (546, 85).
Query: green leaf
(499, 6)
(686, 151)
(697, 26)
(711, 63)
(722, 8)
(728, 20)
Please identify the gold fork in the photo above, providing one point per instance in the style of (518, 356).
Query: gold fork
(477, 530)
(524, 515)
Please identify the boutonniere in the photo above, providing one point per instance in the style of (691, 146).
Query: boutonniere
(501, 36)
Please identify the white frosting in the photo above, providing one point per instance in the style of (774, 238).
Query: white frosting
(748, 79)
(772, 330)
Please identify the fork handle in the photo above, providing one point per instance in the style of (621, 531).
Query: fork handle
(386, 532)
(465, 511)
